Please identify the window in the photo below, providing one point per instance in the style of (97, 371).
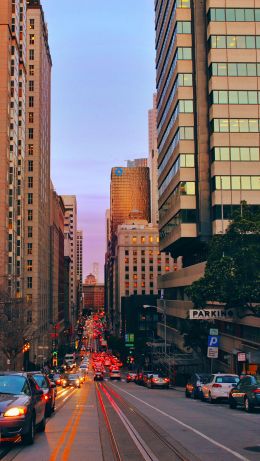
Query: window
(134, 239)
(135, 277)
(236, 182)
(143, 268)
(135, 268)
(29, 282)
(29, 265)
(142, 239)
(127, 276)
(31, 55)
(143, 252)
(235, 97)
(30, 215)
(31, 39)
(31, 85)
(30, 149)
(235, 41)
(235, 125)
(234, 69)
(237, 154)
(29, 248)
(150, 239)
(126, 252)
(31, 101)
(30, 198)
(30, 117)
(31, 70)
(30, 232)
(30, 182)
(127, 268)
(31, 24)
(30, 165)
(126, 260)
(234, 14)
(30, 133)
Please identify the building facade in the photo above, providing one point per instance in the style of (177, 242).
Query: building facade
(207, 73)
(153, 161)
(93, 294)
(37, 178)
(80, 262)
(70, 249)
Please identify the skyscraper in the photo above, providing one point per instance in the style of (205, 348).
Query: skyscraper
(12, 143)
(70, 247)
(37, 174)
(207, 73)
(153, 161)
(95, 271)
(80, 261)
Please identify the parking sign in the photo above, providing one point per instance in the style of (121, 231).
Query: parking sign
(213, 341)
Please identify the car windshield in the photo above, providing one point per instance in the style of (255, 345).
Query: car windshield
(14, 385)
(227, 379)
(73, 376)
(41, 381)
(204, 379)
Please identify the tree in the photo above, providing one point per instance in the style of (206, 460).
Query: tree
(232, 273)
(14, 328)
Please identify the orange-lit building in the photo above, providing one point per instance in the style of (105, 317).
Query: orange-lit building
(93, 294)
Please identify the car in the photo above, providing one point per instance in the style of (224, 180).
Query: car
(144, 377)
(195, 383)
(115, 374)
(218, 387)
(22, 407)
(130, 377)
(49, 391)
(56, 378)
(71, 380)
(98, 376)
(156, 380)
(246, 393)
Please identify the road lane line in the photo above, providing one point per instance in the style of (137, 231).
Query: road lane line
(143, 448)
(192, 429)
(68, 446)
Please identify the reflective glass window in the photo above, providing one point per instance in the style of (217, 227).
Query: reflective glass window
(244, 153)
(235, 153)
(240, 14)
(250, 41)
(230, 14)
(220, 14)
(254, 153)
(255, 182)
(251, 69)
(235, 182)
(232, 69)
(245, 183)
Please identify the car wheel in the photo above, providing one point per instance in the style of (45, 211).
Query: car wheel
(28, 438)
(187, 394)
(42, 425)
(211, 400)
(232, 403)
(248, 405)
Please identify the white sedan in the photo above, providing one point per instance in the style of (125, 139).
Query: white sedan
(218, 387)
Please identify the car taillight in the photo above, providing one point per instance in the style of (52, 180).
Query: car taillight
(154, 380)
(256, 391)
(45, 397)
(166, 380)
(58, 381)
(216, 385)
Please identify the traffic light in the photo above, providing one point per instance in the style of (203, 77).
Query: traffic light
(55, 358)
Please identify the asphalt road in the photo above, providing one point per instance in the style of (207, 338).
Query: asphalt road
(110, 421)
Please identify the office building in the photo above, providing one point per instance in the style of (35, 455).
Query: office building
(80, 261)
(138, 162)
(12, 144)
(37, 179)
(207, 73)
(70, 249)
(153, 161)
(93, 294)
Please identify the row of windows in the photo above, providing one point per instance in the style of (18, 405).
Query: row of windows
(127, 292)
(184, 160)
(135, 284)
(181, 80)
(234, 14)
(182, 53)
(236, 154)
(183, 216)
(183, 188)
(183, 106)
(234, 97)
(142, 252)
(236, 183)
(234, 41)
(227, 211)
(143, 239)
(151, 260)
(183, 133)
(235, 69)
(234, 125)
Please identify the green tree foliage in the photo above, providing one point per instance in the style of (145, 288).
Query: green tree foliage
(232, 274)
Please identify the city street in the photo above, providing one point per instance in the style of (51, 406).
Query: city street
(107, 420)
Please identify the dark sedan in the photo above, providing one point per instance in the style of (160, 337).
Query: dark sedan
(22, 407)
(246, 393)
(195, 383)
(49, 391)
(71, 380)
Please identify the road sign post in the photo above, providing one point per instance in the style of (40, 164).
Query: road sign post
(213, 343)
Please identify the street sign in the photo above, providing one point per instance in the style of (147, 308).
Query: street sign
(241, 357)
(213, 341)
(213, 332)
(210, 314)
(212, 352)
(129, 345)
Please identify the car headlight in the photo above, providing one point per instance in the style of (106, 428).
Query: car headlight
(16, 411)
(77, 381)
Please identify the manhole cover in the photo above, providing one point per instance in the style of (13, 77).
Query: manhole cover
(254, 449)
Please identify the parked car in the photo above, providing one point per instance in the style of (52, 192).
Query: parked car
(130, 377)
(159, 381)
(71, 380)
(218, 387)
(195, 383)
(22, 407)
(115, 374)
(49, 391)
(246, 393)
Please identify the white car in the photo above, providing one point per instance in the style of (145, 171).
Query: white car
(218, 387)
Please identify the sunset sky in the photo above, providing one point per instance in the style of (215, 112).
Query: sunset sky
(102, 85)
